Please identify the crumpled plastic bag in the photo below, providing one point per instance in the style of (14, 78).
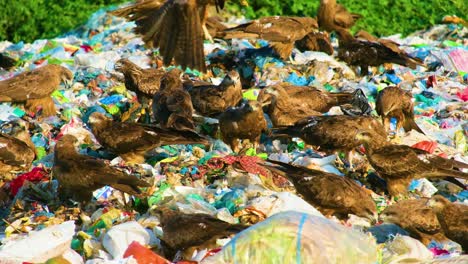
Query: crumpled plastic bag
(294, 237)
(119, 237)
(404, 249)
(282, 201)
(39, 246)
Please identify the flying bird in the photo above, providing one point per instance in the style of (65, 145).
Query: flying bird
(176, 27)
(280, 31)
(172, 105)
(332, 16)
(6, 62)
(331, 194)
(132, 141)
(79, 175)
(35, 87)
(315, 41)
(144, 82)
(243, 122)
(395, 102)
(335, 133)
(184, 231)
(17, 152)
(417, 218)
(209, 99)
(453, 218)
(367, 53)
(398, 165)
(288, 104)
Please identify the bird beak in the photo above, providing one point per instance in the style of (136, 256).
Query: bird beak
(118, 65)
(67, 83)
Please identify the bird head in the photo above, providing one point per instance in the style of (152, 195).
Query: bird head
(163, 212)
(66, 76)
(437, 203)
(68, 140)
(231, 78)
(122, 64)
(371, 214)
(364, 137)
(96, 118)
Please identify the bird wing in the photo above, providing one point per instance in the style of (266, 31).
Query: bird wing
(177, 31)
(14, 152)
(30, 85)
(126, 137)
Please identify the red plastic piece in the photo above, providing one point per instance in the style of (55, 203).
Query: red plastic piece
(463, 95)
(35, 175)
(426, 145)
(143, 255)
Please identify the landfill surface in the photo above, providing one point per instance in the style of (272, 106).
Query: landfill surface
(38, 229)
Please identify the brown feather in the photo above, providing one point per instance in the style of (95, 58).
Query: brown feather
(332, 16)
(417, 218)
(79, 175)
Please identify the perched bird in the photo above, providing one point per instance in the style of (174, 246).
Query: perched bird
(172, 105)
(243, 122)
(453, 218)
(6, 62)
(415, 217)
(183, 231)
(398, 165)
(132, 141)
(331, 194)
(336, 133)
(332, 16)
(315, 41)
(281, 32)
(79, 175)
(144, 82)
(35, 87)
(209, 100)
(366, 53)
(288, 104)
(176, 27)
(17, 152)
(395, 102)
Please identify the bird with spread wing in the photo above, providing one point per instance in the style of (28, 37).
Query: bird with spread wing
(176, 27)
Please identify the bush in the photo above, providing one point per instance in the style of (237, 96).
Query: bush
(28, 20)
(383, 17)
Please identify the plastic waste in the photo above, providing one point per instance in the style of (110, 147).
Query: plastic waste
(294, 237)
(119, 237)
(39, 246)
(404, 249)
(143, 255)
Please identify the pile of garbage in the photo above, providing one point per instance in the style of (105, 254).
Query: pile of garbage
(117, 228)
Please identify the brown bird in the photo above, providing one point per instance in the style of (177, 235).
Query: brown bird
(417, 218)
(398, 165)
(35, 87)
(176, 27)
(331, 194)
(183, 231)
(6, 62)
(144, 82)
(215, 27)
(395, 102)
(282, 32)
(131, 141)
(289, 104)
(79, 175)
(315, 41)
(366, 53)
(336, 133)
(243, 122)
(453, 218)
(172, 105)
(332, 16)
(17, 152)
(209, 100)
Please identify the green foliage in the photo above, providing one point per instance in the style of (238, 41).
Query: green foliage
(380, 17)
(28, 20)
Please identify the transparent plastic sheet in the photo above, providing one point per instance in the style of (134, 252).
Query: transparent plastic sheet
(294, 237)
